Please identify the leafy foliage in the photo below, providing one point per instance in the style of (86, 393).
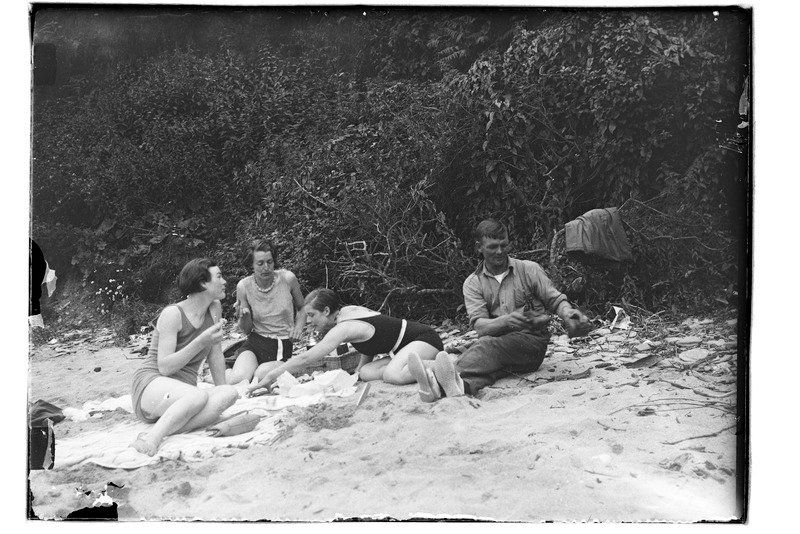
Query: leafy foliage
(587, 110)
(368, 146)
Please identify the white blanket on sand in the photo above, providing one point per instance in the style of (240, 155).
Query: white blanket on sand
(110, 447)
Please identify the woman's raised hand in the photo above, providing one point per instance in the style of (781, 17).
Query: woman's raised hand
(212, 335)
(241, 309)
(297, 333)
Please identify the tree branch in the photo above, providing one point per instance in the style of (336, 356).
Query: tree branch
(307, 192)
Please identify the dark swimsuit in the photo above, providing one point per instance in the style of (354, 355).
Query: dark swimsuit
(187, 374)
(387, 330)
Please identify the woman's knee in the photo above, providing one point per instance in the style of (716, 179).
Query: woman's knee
(228, 395)
(373, 370)
(368, 375)
(245, 362)
(393, 376)
(196, 399)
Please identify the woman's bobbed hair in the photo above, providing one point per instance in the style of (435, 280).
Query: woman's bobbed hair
(194, 274)
(321, 297)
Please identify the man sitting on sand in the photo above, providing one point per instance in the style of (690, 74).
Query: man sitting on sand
(506, 299)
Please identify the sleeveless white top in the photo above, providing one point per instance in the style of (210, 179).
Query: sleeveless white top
(273, 311)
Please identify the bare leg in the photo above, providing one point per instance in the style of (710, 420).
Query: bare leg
(243, 368)
(373, 370)
(173, 403)
(265, 368)
(220, 398)
(397, 372)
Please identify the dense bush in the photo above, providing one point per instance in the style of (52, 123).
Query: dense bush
(592, 110)
(587, 110)
(368, 146)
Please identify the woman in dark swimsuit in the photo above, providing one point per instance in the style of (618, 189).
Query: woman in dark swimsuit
(371, 333)
(165, 388)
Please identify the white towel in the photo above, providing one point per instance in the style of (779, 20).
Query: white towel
(110, 447)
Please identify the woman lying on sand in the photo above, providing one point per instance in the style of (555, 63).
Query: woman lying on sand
(267, 302)
(369, 332)
(165, 388)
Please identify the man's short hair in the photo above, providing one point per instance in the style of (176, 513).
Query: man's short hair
(491, 228)
(194, 274)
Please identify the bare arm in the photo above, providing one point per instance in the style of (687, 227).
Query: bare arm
(339, 334)
(216, 360)
(168, 325)
(576, 323)
(299, 308)
(243, 309)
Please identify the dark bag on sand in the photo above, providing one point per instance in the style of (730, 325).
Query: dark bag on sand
(41, 437)
(238, 424)
(41, 446)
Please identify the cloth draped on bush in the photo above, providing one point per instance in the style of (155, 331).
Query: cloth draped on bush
(600, 232)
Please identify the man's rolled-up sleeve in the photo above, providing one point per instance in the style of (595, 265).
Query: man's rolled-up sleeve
(548, 294)
(473, 300)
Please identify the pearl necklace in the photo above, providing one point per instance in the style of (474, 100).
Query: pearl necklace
(267, 290)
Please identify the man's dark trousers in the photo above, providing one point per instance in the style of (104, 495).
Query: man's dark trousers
(492, 358)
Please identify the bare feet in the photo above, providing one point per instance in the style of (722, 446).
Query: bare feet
(145, 445)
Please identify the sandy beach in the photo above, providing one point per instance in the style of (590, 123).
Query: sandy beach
(586, 438)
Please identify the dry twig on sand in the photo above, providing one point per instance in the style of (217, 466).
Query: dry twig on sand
(718, 432)
(609, 427)
(714, 396)
(709, 380)
(718, 395)
(560, 378)
(687, 404)
(681, 386)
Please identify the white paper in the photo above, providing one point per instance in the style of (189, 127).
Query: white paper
(621, 319)
(50, 281)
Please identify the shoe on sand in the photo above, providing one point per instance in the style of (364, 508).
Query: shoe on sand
(428, 388)
(445, 371)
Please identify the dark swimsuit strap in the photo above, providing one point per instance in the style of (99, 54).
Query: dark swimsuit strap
(185, 318)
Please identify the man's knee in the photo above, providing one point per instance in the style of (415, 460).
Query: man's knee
(480, 350)
(490, 353)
